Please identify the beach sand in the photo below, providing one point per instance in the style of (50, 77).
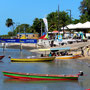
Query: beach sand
(75, 48)
(25, 46)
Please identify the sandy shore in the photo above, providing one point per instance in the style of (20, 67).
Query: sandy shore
(74, 46)
(25, 46)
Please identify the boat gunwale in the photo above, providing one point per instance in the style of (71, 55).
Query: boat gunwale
(1, 57)
(33, 74)
(68, 57)
(36, 58)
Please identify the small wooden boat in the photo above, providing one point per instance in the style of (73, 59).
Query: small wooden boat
(68, 57)
(62, 50)
(29, 76)
(40, 59)
(1, 57)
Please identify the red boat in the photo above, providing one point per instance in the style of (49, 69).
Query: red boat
(29, 76)
(1, 57)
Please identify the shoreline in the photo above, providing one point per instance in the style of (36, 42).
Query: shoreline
(74, 46)
(21, 46)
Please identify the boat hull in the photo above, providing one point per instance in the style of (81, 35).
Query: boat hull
(68, 57)
(32, 59)
(1, 57)
(28, 76)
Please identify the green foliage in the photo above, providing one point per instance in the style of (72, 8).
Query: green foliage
(5, 36)
(85, 11)
(10, 33)
(57, 20)
(65, 19)
(36, 27)
(75, 21)
(84, 18)
(9, 22)
(23, 28)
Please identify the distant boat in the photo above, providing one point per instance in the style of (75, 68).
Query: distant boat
(29, 76)
(68, 57)
(1, 57)
(35, 59)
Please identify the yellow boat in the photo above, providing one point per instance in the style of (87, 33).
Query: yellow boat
(40, 59)
(68, 57)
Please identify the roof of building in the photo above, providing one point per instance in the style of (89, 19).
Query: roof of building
(27, 33)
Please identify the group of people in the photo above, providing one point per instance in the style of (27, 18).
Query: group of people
(66, 53)
(53, 54)
(58, 53)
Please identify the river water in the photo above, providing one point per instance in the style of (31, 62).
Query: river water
(54, 67)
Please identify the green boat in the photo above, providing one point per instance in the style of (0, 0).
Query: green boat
(29, 76)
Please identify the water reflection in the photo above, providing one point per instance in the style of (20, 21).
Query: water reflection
(41, 85)
(54, 67)
(10, 80)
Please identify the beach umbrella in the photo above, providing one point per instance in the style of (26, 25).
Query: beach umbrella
(55, 31)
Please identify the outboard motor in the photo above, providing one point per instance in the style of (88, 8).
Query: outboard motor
(9, 56)
(81, 73)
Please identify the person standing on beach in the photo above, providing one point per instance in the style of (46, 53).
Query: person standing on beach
(87, 48)
(82, 51)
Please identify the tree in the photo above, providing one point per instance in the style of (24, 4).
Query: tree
(10, 33)
(75, 21)
(85, 7)
(56, 22)
(65, 19)
(85, 10)
(9, 22)
(84, 18)
(36, 27)
(52, 21)
(23, 28)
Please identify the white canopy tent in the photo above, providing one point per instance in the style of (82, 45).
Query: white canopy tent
(85, 25)
(78, 26)
(70, 26)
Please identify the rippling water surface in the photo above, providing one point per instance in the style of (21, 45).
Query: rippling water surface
(55, 67)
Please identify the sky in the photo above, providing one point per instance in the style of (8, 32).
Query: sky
(25, 11)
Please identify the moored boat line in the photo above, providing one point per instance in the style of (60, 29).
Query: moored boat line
(44, 59)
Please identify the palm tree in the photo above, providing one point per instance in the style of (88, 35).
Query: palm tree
(9, 22)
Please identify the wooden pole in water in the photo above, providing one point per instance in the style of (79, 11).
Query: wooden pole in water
(45, 53)
(4, 47)
(20, 46)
